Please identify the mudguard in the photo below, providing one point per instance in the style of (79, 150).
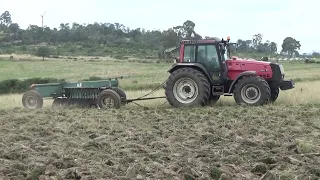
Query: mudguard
(198, 66)
(245, 73)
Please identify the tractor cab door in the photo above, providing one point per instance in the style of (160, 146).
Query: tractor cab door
(208, 55)
(223, 51)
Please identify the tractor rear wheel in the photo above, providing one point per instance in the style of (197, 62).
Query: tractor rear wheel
(187, 87)
(109, 99)
(32, 100)
(252, 90)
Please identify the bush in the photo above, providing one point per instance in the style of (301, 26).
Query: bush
(43, 51)
(93, 78)
(19, 86)
(308, 61)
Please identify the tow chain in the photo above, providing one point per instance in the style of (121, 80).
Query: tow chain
(154, 90)
(151, 92)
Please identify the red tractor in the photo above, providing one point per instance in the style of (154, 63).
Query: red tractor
(205, 71)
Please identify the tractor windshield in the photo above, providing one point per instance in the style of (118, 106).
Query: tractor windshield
(225, 54)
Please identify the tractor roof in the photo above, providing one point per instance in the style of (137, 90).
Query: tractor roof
(202, 41)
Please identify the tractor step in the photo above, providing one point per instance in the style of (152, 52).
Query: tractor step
(217, 90)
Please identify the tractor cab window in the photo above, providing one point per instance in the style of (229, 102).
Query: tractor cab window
(208, 56)
(224, 52)
(189, 53)
(225, 55)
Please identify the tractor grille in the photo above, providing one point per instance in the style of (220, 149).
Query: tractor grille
(82, 93)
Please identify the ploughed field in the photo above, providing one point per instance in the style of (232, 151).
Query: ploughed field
(131, 143)
(226, 141)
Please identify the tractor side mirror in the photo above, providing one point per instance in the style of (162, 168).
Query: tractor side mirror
(177, 59)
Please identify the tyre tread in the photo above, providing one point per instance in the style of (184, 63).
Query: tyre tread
(37, 96)
(258, 80)
(194, 72)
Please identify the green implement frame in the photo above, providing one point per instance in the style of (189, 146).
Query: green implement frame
(103, 93)
(99, 93)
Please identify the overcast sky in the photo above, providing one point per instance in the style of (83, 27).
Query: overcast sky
(274, 19)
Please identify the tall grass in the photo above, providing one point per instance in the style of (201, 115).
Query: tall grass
(303, 93)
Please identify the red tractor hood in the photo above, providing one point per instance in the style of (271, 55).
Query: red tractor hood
(236, 66)
(249, 61)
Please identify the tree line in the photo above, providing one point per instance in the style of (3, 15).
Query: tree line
(107, 36)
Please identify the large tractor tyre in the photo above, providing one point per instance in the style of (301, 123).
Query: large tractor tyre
(122, 95)
(252, 90)
(187, 87)
(213, 100)
(32, 100)
(108, 99)
(274, 94)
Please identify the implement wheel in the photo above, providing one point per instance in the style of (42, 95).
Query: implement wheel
(122, 95)
(32, 100)
(109, 99)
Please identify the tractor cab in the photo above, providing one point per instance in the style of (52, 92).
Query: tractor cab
(211, 55)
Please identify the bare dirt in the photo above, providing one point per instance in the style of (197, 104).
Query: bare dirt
(231, 142)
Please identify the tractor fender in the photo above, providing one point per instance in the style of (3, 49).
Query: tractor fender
(245, 73)
(197, 66)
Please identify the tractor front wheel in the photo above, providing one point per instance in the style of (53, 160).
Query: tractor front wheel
(252, 90)
(274, 94)
(187, 87)
(32, 100)
(109, 99)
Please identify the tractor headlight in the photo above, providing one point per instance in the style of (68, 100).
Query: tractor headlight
(281, 71)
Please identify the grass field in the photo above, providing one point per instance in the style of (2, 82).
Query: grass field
(277, 141)
(302, 94)
(141, 74)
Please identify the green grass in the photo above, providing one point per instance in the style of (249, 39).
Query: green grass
(67, 49)
(299, 71)
(144, 77)
(141, 74)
